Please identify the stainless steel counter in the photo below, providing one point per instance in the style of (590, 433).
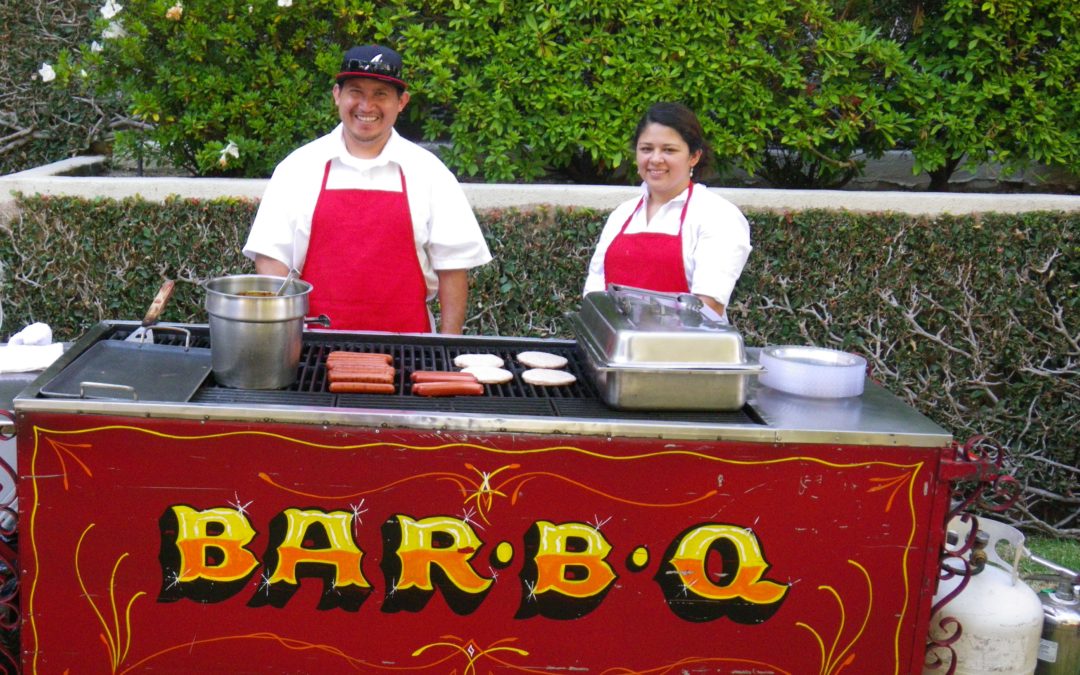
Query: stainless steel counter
(877, 417)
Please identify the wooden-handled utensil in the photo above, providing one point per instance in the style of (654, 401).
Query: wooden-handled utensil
(163, 295)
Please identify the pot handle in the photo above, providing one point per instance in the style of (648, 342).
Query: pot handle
(322, 320)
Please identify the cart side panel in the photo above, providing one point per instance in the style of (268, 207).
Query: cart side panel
(179, 546)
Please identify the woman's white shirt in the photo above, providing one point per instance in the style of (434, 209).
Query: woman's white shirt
(715, 240)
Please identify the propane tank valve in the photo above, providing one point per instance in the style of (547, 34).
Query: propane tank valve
(978, 552)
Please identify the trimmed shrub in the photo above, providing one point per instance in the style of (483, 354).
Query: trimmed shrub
(1000, 82)
(781, 87)
(44, 120)
(800, 92)
(224, 87)
(518, 91)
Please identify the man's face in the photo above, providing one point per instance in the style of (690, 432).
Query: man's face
(368, 108)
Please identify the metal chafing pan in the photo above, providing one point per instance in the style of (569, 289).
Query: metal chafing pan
(660, 351)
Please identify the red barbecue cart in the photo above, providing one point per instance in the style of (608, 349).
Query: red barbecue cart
(204, 529)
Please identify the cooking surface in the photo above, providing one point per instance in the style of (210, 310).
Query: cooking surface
(412, 353)
(875, 418)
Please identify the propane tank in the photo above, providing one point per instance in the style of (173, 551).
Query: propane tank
(1059, 652)
(1000, 615)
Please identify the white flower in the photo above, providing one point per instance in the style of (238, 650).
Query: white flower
(83, 73)
(47, 73)
(110, 9)
(113, 30)
(95, 46)
(284, 3)
(176, 12)
(228, 151)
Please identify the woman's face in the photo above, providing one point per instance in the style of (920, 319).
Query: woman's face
(664, 161)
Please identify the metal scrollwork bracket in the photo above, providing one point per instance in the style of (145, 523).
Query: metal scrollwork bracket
(978, 480)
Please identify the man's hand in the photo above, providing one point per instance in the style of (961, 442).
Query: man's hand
(453, 296)
(267, 265)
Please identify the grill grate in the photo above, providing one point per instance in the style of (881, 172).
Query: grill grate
(412, 353)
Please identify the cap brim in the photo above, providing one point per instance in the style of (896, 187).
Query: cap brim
(375, 76)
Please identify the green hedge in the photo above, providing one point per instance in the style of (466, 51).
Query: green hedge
(972, 320)
(42, 122)
(521, 91)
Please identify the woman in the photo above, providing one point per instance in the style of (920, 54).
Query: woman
(677, 237)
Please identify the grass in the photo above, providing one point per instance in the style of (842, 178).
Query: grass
(1064, 552)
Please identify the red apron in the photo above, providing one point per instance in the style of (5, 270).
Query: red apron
(362, 262)
(648, 260)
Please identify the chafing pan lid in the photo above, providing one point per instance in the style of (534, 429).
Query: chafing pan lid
(635, 327)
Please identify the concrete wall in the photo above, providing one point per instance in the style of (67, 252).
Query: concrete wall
(63, 178)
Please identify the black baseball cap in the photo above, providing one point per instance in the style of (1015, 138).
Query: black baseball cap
(374, 61)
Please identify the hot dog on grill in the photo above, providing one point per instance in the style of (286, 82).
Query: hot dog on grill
(354, 357)
(448, 389)
(361, 376)
(442, 376)
(333, 371)
(361, 388)
(357, 363)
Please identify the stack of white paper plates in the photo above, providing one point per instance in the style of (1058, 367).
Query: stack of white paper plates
(813, 371)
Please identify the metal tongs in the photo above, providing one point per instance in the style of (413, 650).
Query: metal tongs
(142, 334)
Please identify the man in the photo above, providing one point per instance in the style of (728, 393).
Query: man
(378, 225)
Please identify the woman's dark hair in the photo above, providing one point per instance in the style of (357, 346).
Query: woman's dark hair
(685, 122)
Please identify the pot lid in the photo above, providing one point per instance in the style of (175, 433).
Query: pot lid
(636, 327)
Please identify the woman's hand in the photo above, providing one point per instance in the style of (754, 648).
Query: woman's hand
(712, 304)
